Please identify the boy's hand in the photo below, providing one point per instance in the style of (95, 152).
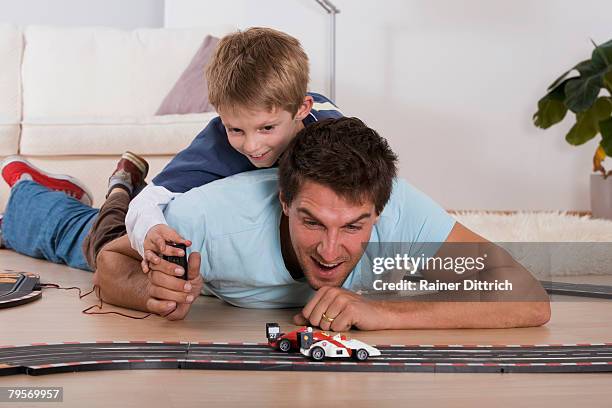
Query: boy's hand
(155, 245)
(172, 296)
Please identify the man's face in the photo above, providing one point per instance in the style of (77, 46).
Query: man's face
(327, 233)
(261, 135)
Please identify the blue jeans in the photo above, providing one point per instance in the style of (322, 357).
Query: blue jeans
(47, 224)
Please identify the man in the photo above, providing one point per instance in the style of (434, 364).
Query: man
(294, 237)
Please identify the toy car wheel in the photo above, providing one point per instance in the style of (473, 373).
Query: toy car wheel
(362, 355)
(284, 345)
(317, 353)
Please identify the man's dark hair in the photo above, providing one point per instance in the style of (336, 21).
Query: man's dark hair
(344, 155)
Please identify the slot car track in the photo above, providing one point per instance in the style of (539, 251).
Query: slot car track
(578, 289)
(47, 358)
(18, 288)
(39, 359)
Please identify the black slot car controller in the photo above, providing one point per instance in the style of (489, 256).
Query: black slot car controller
(178, 260)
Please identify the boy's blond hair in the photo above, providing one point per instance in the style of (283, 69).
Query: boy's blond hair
(258, 68)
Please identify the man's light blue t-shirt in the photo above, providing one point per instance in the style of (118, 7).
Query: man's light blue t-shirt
(234, 224)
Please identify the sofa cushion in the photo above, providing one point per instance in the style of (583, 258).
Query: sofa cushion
(9, 139)
(95, 72)
(190, 93)
(11, 46)
(155, 135)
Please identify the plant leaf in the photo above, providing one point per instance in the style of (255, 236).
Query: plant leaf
(598, 158)
(549, 112)
(602, 55)
(551, 109)
(587, 123)
(608, 80)
(581, 92)
(579, 67)
(605, 127)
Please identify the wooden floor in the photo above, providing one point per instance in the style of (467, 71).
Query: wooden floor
(57, 317)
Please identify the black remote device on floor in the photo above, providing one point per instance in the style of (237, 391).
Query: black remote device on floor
(179, 260)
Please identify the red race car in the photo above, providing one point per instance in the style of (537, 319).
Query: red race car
(289, 341)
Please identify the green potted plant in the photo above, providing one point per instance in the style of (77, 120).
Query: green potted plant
(588, 95)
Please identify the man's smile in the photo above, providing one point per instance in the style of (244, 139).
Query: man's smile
(325, 270)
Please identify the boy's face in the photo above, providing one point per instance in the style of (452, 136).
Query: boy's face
(261, 135)
(327, 233)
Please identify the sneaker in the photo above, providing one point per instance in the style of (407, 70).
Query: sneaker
(14, 168)
(129, 174)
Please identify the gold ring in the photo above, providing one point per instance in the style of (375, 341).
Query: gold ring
(327, 318)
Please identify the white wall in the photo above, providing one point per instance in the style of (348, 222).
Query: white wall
(452, 84)
(304, 19)
(126, 14)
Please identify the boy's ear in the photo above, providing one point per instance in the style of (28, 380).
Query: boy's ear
(305, 108)
(284, 205)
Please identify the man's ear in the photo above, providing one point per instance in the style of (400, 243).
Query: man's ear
(284, 205)
(305, 107)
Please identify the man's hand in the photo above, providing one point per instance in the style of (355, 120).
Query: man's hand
(172, 297)
(155, 246)
(345, 308)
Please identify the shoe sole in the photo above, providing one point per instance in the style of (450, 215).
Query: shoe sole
(140, 163)
(86, 193)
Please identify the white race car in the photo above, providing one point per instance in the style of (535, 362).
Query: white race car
(336, 346)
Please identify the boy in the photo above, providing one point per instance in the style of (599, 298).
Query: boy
(257, 80)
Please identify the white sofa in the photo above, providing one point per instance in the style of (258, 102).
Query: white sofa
(73, 99)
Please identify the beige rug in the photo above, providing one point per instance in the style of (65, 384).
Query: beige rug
(588, 249)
